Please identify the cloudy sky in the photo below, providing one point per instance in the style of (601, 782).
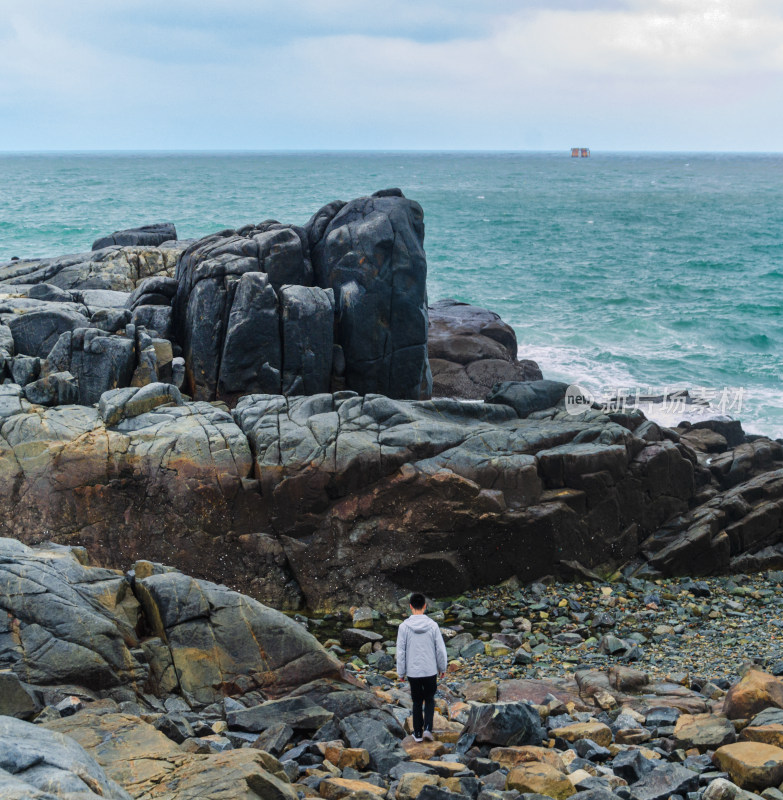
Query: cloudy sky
(400, 74)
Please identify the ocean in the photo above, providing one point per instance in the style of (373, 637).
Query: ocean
(624, 273)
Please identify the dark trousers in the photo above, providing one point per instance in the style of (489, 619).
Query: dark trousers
(423, 692)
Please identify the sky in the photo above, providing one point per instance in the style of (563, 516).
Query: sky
(395, 75)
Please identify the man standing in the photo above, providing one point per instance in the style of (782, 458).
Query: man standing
(421, 656)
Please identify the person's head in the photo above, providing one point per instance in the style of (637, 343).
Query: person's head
(418, 602)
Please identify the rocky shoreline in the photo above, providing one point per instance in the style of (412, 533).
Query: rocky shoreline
(150, 684)
(277, 412)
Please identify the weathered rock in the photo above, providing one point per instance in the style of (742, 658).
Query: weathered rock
(504, 724)
(149, 765)
(307, 314)
(754, 692)
(470, 350)
(15, 701)
(97, 361)
(115, 268)
(527, 397)
(703, 731)
(539, 778)
(300, 713)
(595, 731)
(209, 273)
(377, 732)
(664, 781)
(145, 236)
(751, 765)
(252, 359)
(70, 622)
(37, 763)
(37, 331)
(221, 641)
(382, 310)
(120, 404)
(56, 389)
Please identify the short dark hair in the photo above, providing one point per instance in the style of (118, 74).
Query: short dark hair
(418, 601)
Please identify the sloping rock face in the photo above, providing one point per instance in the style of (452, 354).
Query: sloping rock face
(157, 631)
(471, 349)
(38, 763)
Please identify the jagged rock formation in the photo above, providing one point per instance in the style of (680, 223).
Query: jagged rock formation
(471, 349)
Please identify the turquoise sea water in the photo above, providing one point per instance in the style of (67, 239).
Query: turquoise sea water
(619, 271)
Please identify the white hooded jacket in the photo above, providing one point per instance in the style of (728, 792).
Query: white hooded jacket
(421, 651)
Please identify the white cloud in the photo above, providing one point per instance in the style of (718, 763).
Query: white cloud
(656, 74)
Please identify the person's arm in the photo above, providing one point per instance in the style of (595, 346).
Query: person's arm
(440, 652)
(401, 654)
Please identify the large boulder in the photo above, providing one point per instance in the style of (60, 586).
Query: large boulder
(371, 253)
(470, 350)
(62, 622)
(39, 763)
(145, 236)
(222, 642)
(754, 692)
(214, 304)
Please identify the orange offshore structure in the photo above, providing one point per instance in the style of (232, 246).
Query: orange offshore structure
(576, 152)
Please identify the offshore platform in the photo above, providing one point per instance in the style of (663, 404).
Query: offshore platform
(580, 152)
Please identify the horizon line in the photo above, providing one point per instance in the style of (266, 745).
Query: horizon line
(355, 151)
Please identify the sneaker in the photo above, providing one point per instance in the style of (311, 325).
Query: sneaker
(428, 736)
(417, 737)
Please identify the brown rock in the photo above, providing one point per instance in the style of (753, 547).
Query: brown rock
(756, 691)
(751, 765)
(768, 734)
(411, 783)
(510, 757)
(422, 750)
(337, 788)
(481, 691)
(540, 778)
(595, 731)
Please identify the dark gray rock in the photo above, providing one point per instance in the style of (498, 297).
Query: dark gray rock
(208, 275)
(154, 318)
(308, 323)
(97, 361)
(275, 738)
(431, 792)
(378, 732)
(15, 700)
(504, 724)
(159, 290)
(370, 252)
(144, 236)
(46, 291)
(664, 781)
(25, 369)
(527, 397)
(632, 766)
(36, 332)
(176, 727)
(55, 389)
(252, 357)
(301, 713)
(111, 320)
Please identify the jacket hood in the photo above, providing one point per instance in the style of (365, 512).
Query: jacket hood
(419, 623)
